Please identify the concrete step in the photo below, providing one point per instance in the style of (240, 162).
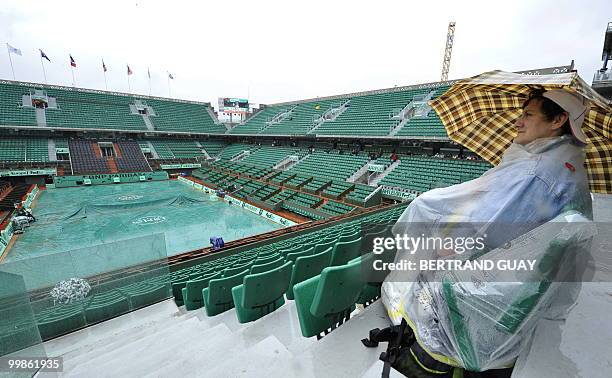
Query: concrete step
(341, 353)
(194, 357)
(268, 358)
(110, 360)
(134, 324)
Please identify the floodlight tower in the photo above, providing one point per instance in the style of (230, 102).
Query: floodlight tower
(450, 36)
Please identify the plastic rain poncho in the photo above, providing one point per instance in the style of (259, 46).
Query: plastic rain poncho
(535, 204)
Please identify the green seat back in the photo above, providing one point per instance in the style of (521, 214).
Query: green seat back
(267, 266)
(323, 245)
(232, 271)
(263, 288)
(338, 289)
(192, 294)
(294, 255)
(218, 295)
(266, 259)
(308, 266)
(261, 293)
(344, 252)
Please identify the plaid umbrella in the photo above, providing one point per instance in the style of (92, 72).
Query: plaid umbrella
(479, 113)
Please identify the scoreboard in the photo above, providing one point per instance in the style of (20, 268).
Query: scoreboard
(229, 105)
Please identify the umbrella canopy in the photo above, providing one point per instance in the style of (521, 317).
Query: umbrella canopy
(479, 113)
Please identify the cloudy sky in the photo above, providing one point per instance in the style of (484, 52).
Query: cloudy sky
(274, 51)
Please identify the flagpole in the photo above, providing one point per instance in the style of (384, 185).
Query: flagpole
(10, 60)
(129, 88)
(105, 83)
(43, 68)
(73, 81)
(149, 74)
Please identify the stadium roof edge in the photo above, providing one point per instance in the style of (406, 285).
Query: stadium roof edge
(435, 84)
(87, 90)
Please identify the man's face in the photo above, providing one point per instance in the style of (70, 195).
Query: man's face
(533, 124)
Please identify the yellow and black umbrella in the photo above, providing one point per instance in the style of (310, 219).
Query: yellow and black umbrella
(480, 112)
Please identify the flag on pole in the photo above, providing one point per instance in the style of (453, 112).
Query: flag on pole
(170, 76)
(72, 62)
(43, 55)
(13, 50)
(129, 71)
(104, 66)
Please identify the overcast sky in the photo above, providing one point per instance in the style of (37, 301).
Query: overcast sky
(284, 50)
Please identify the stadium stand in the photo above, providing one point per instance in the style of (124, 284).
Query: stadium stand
(423, 173)
(168, 149)
(131, 159)
(331, 165)
(267, 156)
(182, 117)
(11, 110)
(370, 115)
(84, 158)
(23, 149)
(80, 109)
(212, 147)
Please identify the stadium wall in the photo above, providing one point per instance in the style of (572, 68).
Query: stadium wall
(101, 179)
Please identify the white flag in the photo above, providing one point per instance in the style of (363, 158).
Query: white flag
(13, 50)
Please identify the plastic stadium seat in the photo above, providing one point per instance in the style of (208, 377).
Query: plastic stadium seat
(326, 300)
(264, 259)
(218, 295)
(308, 266)
(344, 252)
(192, 292)
(324, 244)
(295, 255)
(261, 293)
(228, 272)
(259, 268)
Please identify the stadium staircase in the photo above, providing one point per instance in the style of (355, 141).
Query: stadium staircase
(112, 165)
(329, 115)
(375, 180)
(41, 117)
(163, 340)
(360, 173)
(51, 150)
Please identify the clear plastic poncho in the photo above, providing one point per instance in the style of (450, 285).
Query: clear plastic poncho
(534, 205)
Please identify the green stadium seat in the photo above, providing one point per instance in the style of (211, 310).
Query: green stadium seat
(306, 267)
(192, 292)
(267, 266)
(228, 272)
(326, 300)
(261, 293)
(218, 295)
(345, 251)
(295, 255)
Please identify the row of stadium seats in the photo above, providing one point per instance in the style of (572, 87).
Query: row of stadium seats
(330, 165)
(24, 149)
(131, 159)
(420, 173)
